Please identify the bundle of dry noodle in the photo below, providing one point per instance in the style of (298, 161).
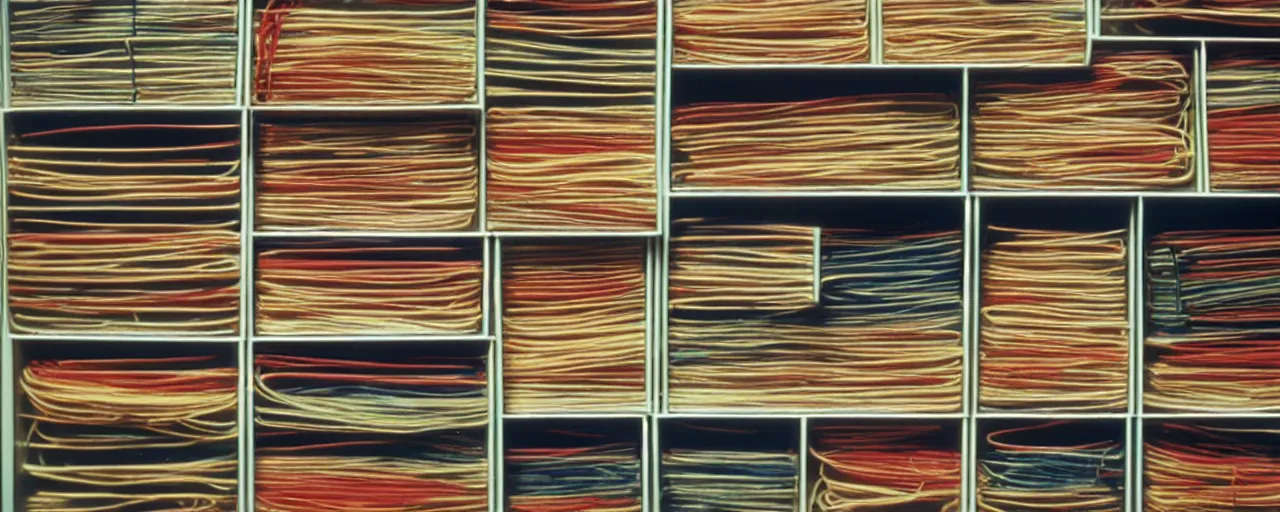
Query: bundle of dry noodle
(125, 228)
(1141, 14)
(1128, 126)
(984, 31)
(730, 267)
(106, 51)
(895, 142)
(411, 176)
(776, 32)
(1213, 298)
(580, 473)
(1052, 466)
(418, 289)
(448, 474)
(1244, 121)
(412, 396)
(703, 479)
(901, 466)
(1055, 327)
(571, 126)
(573, 320)
(885, 336)
(1212, 469)
(113, 434)
(748, 364)
(365, 51)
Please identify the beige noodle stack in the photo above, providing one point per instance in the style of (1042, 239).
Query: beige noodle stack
(121, 228)
(368, 176)
(985, 31)
(103, 51)
(369, 290)
(571, 120)
(1055, 328)
(365, 52)
(573, 320)
(890, 142)
(774, 32)
(727, 267)
(1126, 126)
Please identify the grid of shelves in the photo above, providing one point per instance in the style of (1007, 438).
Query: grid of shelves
(501, 265)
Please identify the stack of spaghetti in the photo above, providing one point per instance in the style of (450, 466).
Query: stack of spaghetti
(899, 142)
(571, 127)
(397, 434)
(728, 267)
(729, 479)
(1201, 467)
(1144, 16)
(1037, 468)
(106, 51)
(908, 466)
(1244, 121)
(777, 32)
(898, 294)
(1055, 327)
(1214, 302)
(125, 228)
(116, 434)
(583, 473)
(984, 31)
(390, 51)
(410, 176)
(573, 320)
(380, 289)
(1128, 125)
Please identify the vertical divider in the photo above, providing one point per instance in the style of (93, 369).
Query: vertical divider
(1138, 450)
(968, 310)
(6, 100)
(1136, 420)
(1129, 463)
(1091, 8)
(8, 361)
(969, 453)
(875, 30)
(965, 130)
(802, 458)
(244, 99)
(650, 325)
(1200, 79)
(655, 469)
(1136, 365)
(497, 440)
(666, 34)
(247, 266)
(482, 154)
(646, 463)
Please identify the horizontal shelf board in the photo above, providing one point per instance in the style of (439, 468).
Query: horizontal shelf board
(126, 338)
(433, 338)
(998, 415)
(811, 414)
(370, 234)
(1209, 415)
(574, 416)
(1183, 39)
(712, 194)
(576, 234)
(69, 108)
(357, 108)
(866, 66)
